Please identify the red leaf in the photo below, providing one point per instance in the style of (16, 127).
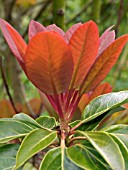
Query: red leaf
(106, 39)
(84, 47)
(99, 90)
(34, 28)
(53, 27)
(14, 40)
(104, 63)
(70, 32)
(83, 101)
(49, 63)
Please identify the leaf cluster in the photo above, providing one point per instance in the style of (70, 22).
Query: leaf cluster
(86, 145)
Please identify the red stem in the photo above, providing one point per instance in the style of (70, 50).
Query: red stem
(72, 101)
(74, 108)
(57, 101)
(69, 95)
(51, 99)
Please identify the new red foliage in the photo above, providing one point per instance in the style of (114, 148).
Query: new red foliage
(64, 66)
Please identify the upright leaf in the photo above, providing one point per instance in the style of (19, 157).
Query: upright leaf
(104, 63)
(34, 28)
(84, 47)
(70, 31)
(49, 63)
(106, 39)
(33, 143)
(53, 27)
(14, 40)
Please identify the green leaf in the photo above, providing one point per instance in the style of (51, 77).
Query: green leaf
(123, 149)
(12, 129)
(103, 104)
(94, 123)
(120, 131)
(46, 121)
(117, 129)
(107, 148)
(84, 158)
(123, 138)
(72, 124)
(37, 140)
(27, 120)
(57, 159)
(8, 156)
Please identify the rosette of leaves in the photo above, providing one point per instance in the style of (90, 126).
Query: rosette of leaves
(64, 67)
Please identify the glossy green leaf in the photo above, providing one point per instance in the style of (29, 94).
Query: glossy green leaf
(117, 129)
(120, 131)
(94, 123)
(123, 149)
(103, 104)
(107, 148)
(123, 138)
(85, 158)
(46, 121)
(8, 156)
(94, 153)
(27, 120)
(72, 124)
(12, 129)
(58, 160)
(37, 140)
